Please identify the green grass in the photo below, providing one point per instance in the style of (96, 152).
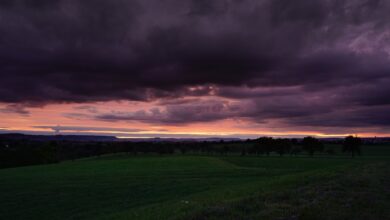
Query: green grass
(360, 194)
(167, 187)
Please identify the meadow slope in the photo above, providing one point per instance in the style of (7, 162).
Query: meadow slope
(179, 187)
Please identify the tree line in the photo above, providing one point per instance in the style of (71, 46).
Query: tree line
(26, 152)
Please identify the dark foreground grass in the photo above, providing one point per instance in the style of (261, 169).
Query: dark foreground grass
(184, 187)
(360, 193)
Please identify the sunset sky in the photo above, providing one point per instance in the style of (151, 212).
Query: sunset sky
(195, 68)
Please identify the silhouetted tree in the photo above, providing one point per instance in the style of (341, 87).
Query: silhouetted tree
(295, 150)
(281, 146)
(264, 145)
(311, 145)
(243, 151)
(330, 151)
(352, 144)
(225, 149)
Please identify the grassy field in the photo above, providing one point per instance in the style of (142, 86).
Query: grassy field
(201, 187)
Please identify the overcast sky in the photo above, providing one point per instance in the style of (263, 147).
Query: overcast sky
(195, 67)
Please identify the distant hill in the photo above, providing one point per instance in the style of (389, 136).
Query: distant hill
(17, 136)
(157, 139)
(97, 138)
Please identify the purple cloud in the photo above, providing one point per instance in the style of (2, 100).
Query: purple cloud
(302, 62)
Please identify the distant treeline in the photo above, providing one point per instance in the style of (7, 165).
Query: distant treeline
(27, 152)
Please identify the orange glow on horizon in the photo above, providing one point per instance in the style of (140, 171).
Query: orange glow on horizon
(78, 115)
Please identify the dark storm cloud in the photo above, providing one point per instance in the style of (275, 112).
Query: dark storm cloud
(87, 108)
(361, 117)
(183, 113)
(277, 55)
(15, 108)
(79, 128)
